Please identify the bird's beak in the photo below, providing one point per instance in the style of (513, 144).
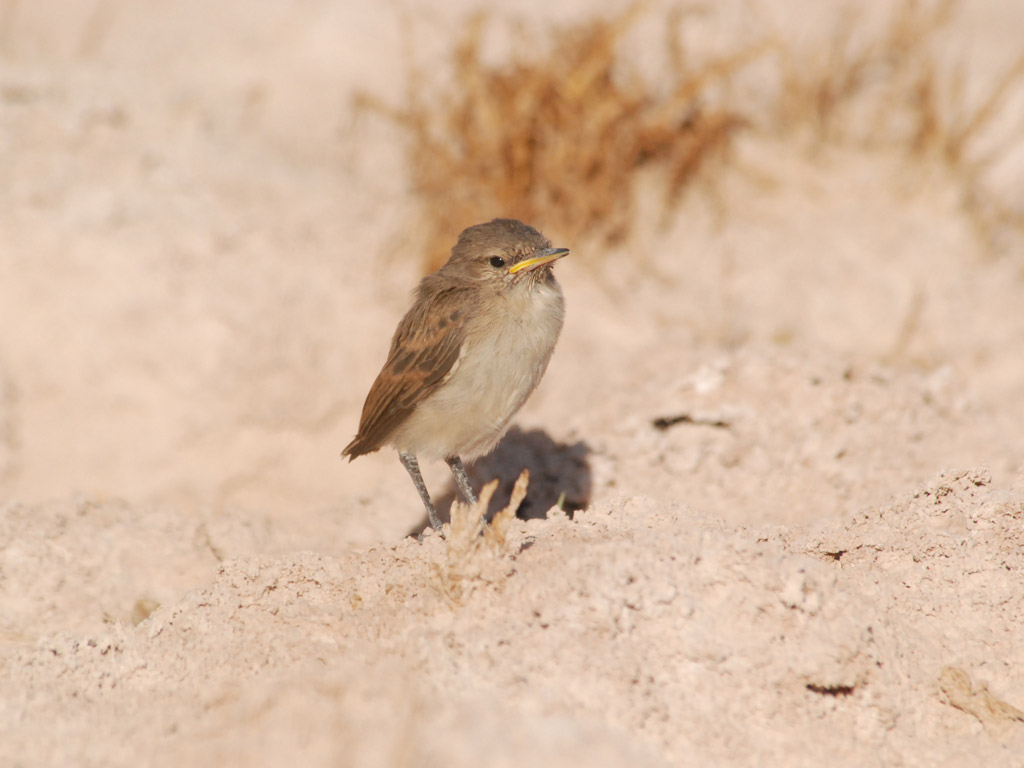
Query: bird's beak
(544, 257)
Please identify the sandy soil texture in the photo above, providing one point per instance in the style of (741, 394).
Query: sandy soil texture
(786, 423)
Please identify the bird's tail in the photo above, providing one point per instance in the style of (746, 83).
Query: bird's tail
(356, 448)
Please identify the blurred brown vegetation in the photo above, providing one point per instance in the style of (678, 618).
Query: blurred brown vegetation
(557, 138)
(889, 89)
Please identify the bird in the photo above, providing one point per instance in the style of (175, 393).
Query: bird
(467, 354)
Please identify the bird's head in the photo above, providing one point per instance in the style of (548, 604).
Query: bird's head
(504, 254)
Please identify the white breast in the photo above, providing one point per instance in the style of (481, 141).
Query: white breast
(500, 364)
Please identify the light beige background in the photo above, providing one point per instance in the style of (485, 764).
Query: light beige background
(203, 254)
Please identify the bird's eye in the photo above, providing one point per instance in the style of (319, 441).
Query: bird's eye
(497, 262)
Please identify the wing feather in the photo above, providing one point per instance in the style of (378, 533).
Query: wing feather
(424, 350)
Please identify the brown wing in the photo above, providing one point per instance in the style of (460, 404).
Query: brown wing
(423, 351)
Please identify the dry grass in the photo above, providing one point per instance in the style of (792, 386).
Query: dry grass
(857, 85)
(997, 716)
(890, 90)
(472, 560)
(558, 139)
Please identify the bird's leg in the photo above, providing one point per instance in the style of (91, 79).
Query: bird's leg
(461, 479)
(413, 468)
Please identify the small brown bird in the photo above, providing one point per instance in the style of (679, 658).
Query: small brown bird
(467, 354)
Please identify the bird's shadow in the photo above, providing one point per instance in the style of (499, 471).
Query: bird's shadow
(558, 472)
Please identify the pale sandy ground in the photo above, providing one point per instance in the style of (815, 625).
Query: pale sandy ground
(200, 267)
